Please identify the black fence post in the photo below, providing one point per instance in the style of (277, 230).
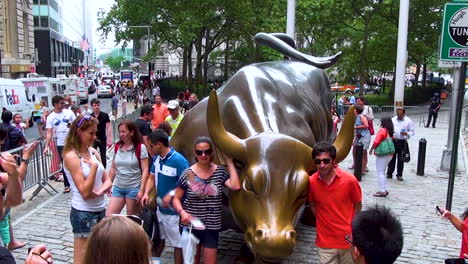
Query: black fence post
(358, 147)
(421, 157)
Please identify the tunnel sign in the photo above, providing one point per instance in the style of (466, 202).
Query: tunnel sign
(454, 38)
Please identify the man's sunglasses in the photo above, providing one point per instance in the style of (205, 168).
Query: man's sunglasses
(318, 161)
(134, 218)
(349, 239)
(201, 152)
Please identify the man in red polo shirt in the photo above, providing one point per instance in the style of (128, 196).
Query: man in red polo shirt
(335, 197)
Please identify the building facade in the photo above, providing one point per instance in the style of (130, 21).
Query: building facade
(60, 27)
(17, 49)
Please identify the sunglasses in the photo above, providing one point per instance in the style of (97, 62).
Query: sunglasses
(318, 161)
(201, 152)
(134, 218)
(349, 239)
(86, 117)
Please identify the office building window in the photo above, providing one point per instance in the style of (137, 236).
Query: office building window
(35, 2)
(54, 25)
(44, 21)
(36, 21)
(43, 2)
(54, 5)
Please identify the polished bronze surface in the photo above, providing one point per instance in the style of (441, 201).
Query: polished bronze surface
(267, 117)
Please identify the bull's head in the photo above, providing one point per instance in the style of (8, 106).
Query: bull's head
(273, 171)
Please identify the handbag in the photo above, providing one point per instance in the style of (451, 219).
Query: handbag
(385, 148)
(406, 153)
(371, 127)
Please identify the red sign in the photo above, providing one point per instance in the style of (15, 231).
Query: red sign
(32, 68)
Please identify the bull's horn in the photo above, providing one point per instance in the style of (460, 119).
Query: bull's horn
(225, 141)
(280, 45)
(344, 140)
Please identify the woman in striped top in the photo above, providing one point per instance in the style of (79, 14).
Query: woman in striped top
(199, 195)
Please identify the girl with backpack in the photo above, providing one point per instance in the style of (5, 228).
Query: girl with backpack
(129, 170)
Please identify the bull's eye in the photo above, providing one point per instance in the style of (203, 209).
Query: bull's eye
(248, 186)
(239, 165)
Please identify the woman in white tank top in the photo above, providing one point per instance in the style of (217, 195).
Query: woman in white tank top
(88, 181)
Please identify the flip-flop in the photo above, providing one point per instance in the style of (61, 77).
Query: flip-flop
(17, 247)
(66, 190)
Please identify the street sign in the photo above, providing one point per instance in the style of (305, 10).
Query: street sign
(449, 64)
(454, 41)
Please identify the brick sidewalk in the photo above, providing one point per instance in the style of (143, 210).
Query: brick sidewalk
(428, 239)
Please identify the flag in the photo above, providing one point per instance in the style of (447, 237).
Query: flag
(84, 43)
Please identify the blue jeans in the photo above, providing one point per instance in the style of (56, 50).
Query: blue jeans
(125, 192)
(82, 222)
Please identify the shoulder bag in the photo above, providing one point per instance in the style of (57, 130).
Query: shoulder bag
(386, 147)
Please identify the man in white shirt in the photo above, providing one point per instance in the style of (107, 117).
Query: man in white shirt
(156, 91)
(57, 125)
(404, 129)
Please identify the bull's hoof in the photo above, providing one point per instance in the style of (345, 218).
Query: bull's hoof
(308, 218)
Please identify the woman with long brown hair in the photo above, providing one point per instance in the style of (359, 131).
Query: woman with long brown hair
(88, 181)
(129, 170)
(118, 240)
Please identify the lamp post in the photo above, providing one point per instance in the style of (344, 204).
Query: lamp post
(148, 29)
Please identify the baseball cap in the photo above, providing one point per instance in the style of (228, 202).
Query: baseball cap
(173, 104)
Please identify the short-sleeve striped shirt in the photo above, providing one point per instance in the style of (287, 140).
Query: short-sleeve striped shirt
(203, 198)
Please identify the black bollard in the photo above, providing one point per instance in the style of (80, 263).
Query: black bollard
(421, 157)
(358, 160)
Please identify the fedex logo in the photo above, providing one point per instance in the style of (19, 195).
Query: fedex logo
(12, 99)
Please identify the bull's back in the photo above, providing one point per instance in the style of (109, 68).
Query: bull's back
(286, 97)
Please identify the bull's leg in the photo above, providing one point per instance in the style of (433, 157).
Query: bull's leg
(246, 256)
(308, 217)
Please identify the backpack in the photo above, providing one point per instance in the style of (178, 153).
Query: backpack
(137, 151)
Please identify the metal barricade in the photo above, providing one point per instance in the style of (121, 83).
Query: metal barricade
(38, 171)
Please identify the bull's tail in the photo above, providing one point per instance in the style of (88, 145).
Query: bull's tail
(285, 44)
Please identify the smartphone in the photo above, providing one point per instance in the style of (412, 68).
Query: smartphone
(438, 210)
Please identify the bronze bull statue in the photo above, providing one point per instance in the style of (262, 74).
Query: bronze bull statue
(267, 117)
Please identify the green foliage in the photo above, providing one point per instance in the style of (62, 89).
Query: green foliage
(365, 31)
(115, 63)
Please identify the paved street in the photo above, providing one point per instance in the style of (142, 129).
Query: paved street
(428, 239)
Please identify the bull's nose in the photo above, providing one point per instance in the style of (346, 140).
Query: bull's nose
(272, 243)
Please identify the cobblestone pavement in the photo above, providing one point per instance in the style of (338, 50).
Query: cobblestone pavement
(428, 238)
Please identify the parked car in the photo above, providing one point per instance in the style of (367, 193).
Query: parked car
(104, 91)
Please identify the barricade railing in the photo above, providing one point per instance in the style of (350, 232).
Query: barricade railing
(40, 168)
(418, 114)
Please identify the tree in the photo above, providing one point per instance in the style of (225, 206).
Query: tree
(115, 62)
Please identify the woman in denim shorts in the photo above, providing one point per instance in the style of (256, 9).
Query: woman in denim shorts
(88, 181)
(129, 170)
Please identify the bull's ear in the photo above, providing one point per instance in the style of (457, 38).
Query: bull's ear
(344, 140)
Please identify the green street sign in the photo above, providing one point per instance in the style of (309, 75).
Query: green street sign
(454, 41)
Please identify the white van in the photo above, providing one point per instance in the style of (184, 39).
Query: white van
(81, 88)
(41, 88)
(68, 87)
(13, 97)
